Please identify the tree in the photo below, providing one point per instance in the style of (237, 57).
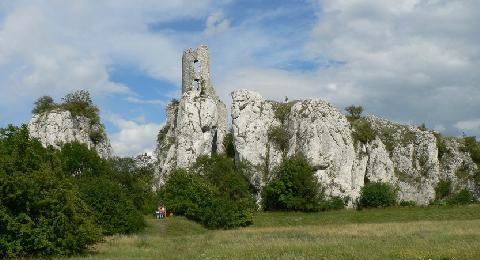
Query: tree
(294, 187)
(43, 104)
(354, 112)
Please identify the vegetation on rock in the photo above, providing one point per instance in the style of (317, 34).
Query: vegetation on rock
(295, 187)
(213, 192)
(78, 103)
(377, 195)
(59, 202)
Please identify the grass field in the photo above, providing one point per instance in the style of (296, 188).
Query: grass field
(405, 233)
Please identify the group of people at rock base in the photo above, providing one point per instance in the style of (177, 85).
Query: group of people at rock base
(161, 212)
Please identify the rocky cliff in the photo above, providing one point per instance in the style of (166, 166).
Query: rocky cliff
(58, 126)
(405, 156)
(197, 123)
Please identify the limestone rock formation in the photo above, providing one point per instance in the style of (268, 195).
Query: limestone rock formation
(197, 124)
(58, 127)
(405, 156)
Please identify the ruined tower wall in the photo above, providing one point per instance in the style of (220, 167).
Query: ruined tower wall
(196, 71)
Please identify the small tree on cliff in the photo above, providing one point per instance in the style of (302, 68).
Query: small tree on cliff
(43, 104)
(354, 112)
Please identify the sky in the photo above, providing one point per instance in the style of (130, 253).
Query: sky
(410, 61)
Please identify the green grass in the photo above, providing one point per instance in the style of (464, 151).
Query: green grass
(405, 233)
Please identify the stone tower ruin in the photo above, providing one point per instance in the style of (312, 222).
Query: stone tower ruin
(197, 123)
(196, 71)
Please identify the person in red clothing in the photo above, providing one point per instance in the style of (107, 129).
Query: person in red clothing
(163, 212)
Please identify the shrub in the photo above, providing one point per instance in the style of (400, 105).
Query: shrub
(78, 160)
(96, 136)
(362, 131)
(354, 112)
(471, 146)
(279, 136)
(441, 145)
(113, 209)
(43, 104)
(377, 195)
(282, 110)
(294, 187)
(462, 197)
(137, 176)
(443, 189)
(228, 145)
(41, 212)
(408, 203)
(79, 103)
(333, 203)
(213, 193)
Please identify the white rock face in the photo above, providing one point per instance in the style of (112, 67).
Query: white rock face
(321, 133)
(197, 124)
(404, 156)
(59, 127)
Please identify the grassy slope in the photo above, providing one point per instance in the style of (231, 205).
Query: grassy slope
(412, 233)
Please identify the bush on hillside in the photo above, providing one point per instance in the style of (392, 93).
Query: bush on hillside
(213, 193)
(43, 104)
(79, 103)
(354, 112)
(228, 145)
(443, 189)
(462, 197)
(377, 195)
(472, 147)
(41, 212)
(137, 176)
(362, 131)
(294, 187)
(113, 208)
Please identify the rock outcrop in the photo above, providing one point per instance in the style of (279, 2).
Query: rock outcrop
(58, 127)
(405, 156)
(197, 124)
(265, 132)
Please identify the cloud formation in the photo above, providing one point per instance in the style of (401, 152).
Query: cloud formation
(133, 138)
(411, 61)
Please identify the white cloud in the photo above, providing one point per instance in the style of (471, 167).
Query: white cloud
(473, 124)
(133, 138)
(216, 23)
(53, 47)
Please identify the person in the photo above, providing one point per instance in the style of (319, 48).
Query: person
(162, 212)
(157, 213)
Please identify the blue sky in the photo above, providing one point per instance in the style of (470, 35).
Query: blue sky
(410, 61)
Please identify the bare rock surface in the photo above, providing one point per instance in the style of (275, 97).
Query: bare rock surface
(197, 123)
(58, 127)
(405, 156)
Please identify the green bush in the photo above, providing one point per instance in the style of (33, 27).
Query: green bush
(43, 104)
(441, 145)
(41, 211)
(362, 131)
(228, 145)
(462, 197)
(137, 177)
(279, 136)
(443, 189)
(213, 193)
(473, 147)
(113, 208)
(377, 195)
(333, 203)
(354, 112)
(408, 203)
(294, 187)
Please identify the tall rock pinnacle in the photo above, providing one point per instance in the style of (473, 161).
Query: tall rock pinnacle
(197, 123)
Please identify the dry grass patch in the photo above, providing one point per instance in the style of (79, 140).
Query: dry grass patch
(327, 235)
